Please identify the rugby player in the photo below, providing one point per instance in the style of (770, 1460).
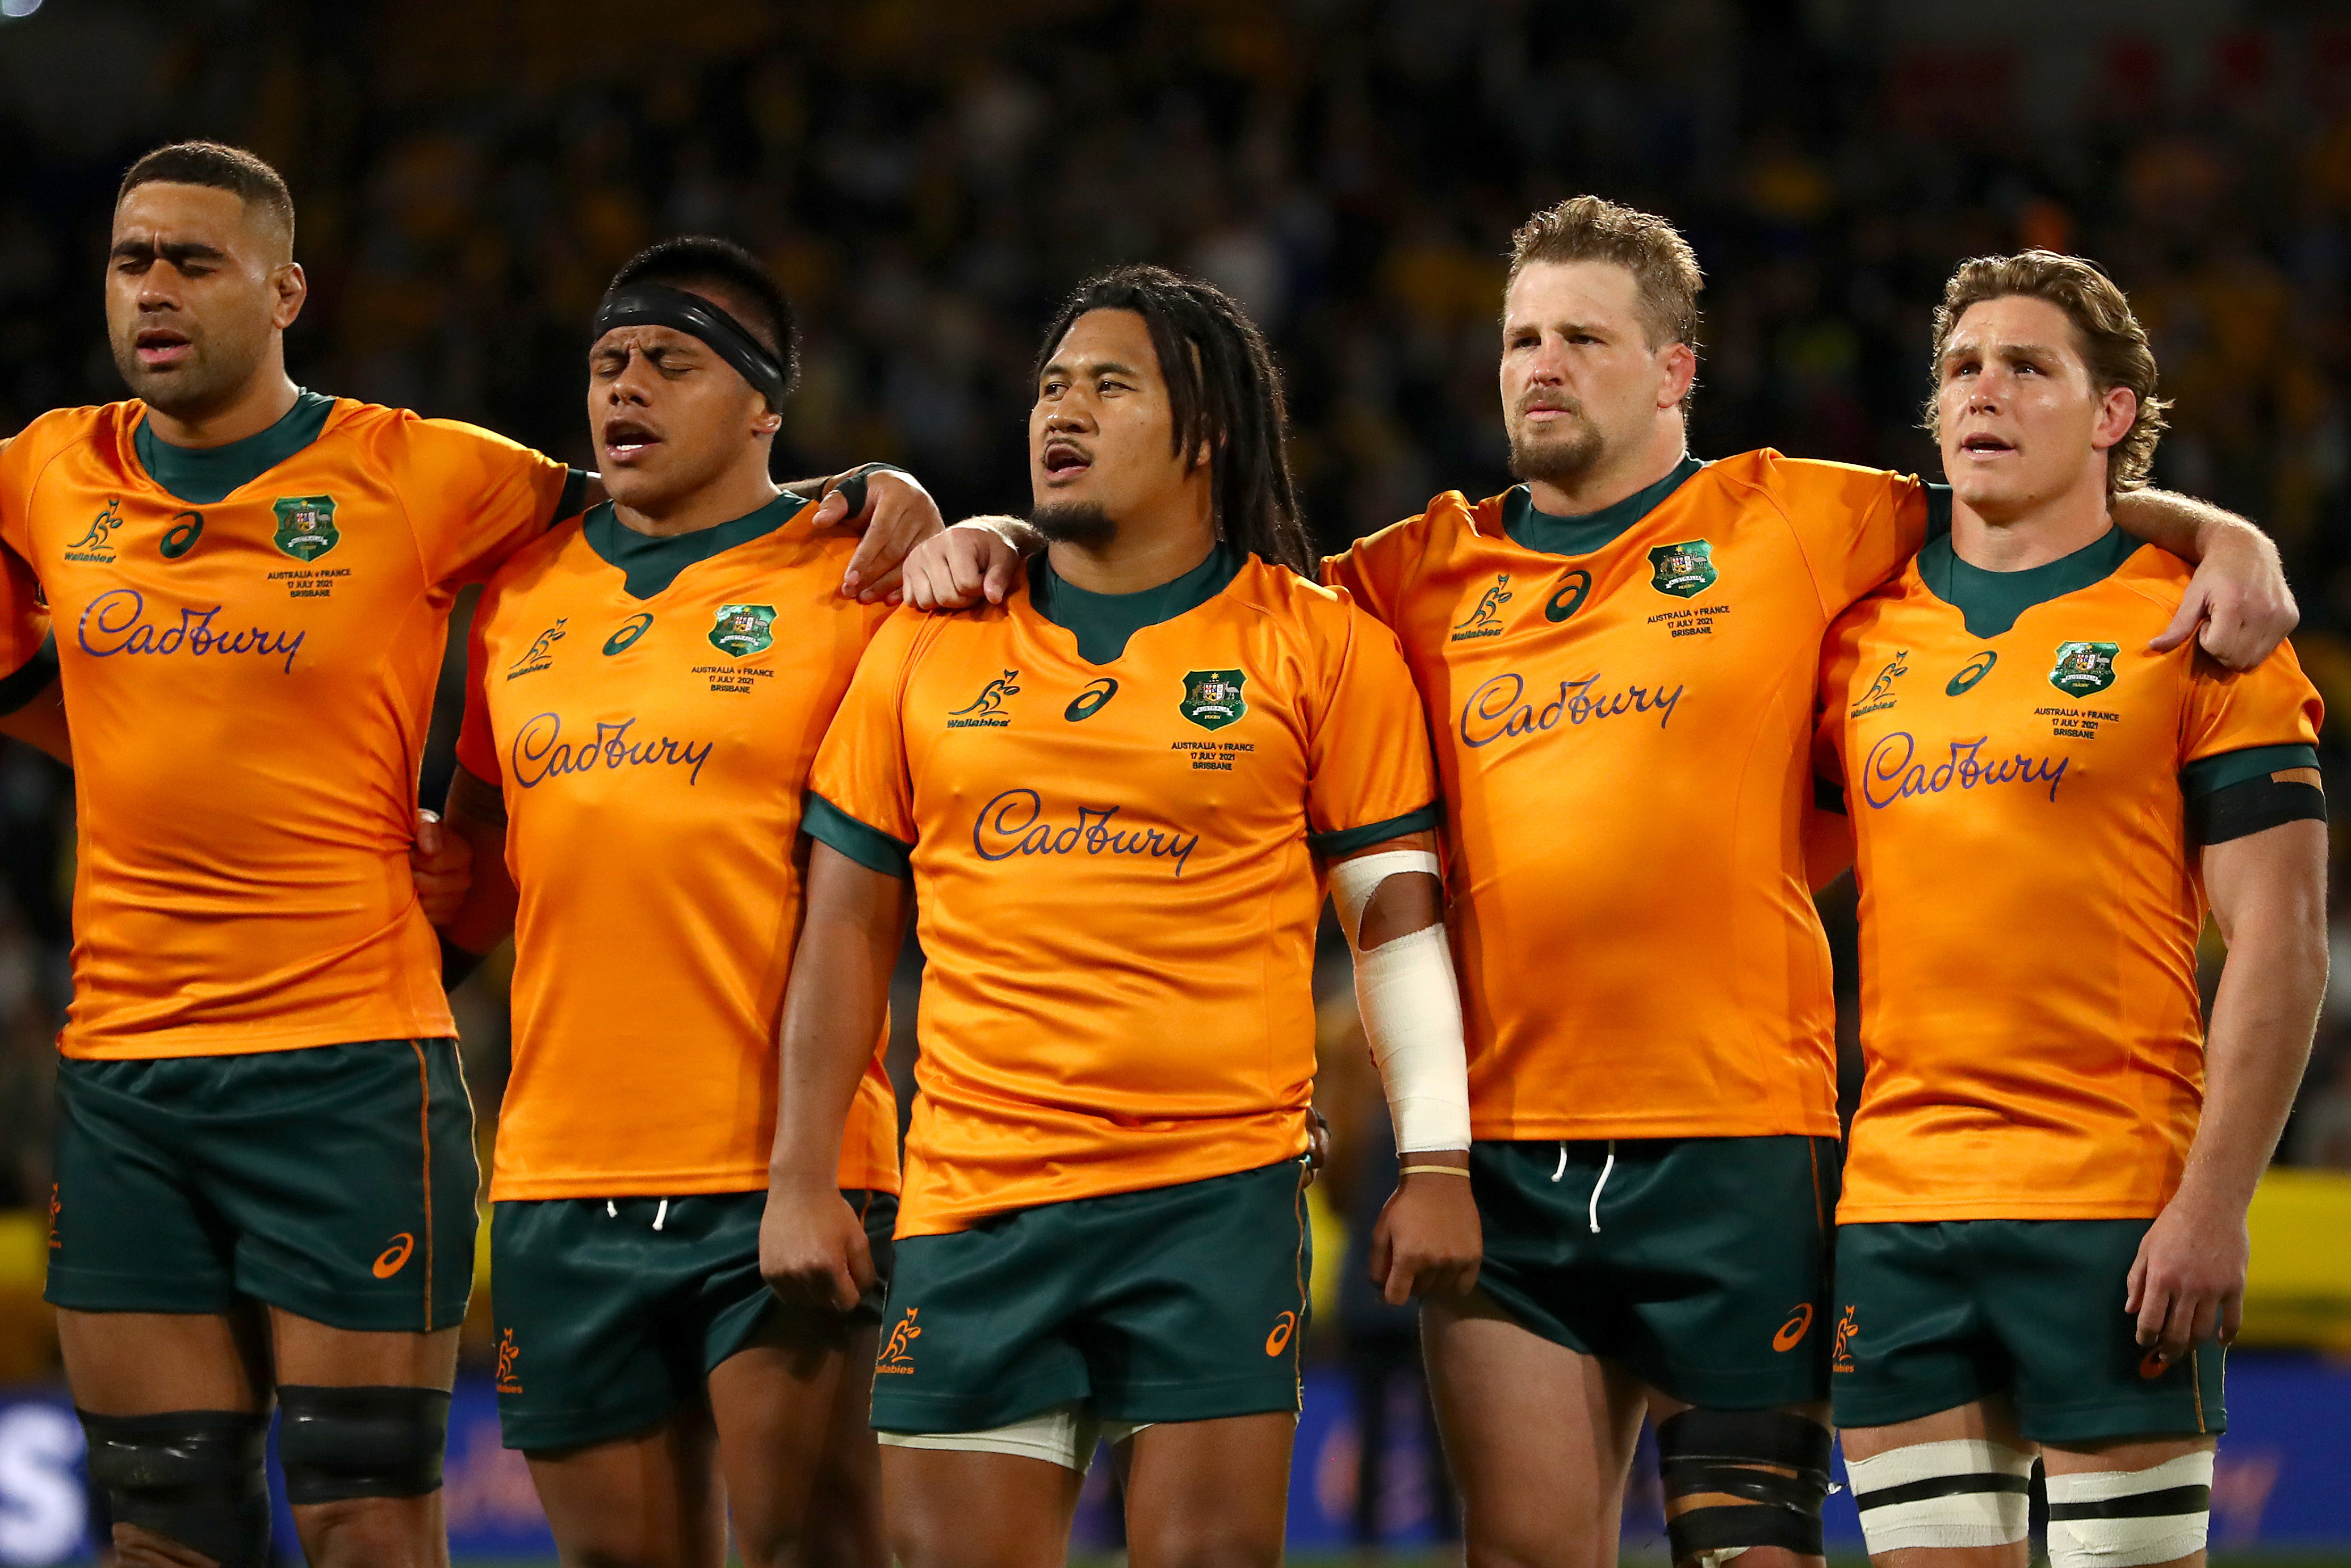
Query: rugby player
(1114, 799)
(2042, 1245)
(1618, 659)
(648, 685)
(265, 1162)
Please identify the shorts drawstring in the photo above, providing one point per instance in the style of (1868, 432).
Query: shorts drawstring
(1606, 1166)
(1561, 1169)
(612, 1211)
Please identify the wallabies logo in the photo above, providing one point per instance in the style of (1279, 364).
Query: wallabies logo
(2084, 669)
(1486, 620)
(898, 1351)
(540, 654)
(1684, 570)
(743, 630)
(986, 711)
(306, 526)
(1212, 698)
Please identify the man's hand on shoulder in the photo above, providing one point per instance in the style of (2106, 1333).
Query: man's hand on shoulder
(894, 513)
(978, 558)
(2238, 607)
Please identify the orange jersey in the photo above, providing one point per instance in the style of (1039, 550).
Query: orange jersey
(650, 709)
(1621, 708)
(2030, 896)
(250, 682)
(1113, 866)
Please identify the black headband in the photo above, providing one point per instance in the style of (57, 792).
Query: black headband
(657, 305)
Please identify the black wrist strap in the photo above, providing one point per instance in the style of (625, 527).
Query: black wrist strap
(850, 486)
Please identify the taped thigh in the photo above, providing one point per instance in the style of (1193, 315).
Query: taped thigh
(337, 1444)
(1960, 1492)
(1741, 1453)
(198, 1477)
(2122, 1518)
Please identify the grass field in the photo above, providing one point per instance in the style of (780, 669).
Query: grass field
(2341, 1558)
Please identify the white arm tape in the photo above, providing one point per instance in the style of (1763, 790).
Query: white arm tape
(1410, 1008)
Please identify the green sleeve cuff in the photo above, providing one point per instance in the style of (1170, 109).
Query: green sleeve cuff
(575, 491)
(30, 681)
(869, 847)
(2207, 774)
(1347, 841)
(1938, 510)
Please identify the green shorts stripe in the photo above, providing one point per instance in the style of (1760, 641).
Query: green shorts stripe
(1699, 1264)
(612, 1312)
(1175, 1304)
(1937, 1314)
(337, 1183)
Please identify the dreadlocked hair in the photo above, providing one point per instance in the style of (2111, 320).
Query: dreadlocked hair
(1223, 391)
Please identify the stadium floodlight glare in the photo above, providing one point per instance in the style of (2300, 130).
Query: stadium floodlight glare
(15, 10)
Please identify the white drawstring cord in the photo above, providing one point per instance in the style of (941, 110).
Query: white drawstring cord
(1607, 1166)
(663, 1213)
(1561, 1169)
(611, 1210)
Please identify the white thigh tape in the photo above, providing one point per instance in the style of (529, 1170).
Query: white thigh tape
(1065, 1435)
(2123, 1519)
(1959, 1493)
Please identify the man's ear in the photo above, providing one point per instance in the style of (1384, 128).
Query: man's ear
(1679, 361)
(290, 288)
(2117, 411)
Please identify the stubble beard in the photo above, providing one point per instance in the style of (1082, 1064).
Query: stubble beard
(1081, 523)
(198, 386)
(1563, 459)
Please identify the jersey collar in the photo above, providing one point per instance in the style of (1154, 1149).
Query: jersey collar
(1104, 622)
(1554, 535)
(648, 564)
(1990, 601)
(206, 475)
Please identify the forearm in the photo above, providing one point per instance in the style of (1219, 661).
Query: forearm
(1391, 906)
(2188, 527)
(476, 812)
(2263, 1015)
(834, 1010)
(1018, 532)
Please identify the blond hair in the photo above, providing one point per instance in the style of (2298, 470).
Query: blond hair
(2113, 344)
(1665, 269)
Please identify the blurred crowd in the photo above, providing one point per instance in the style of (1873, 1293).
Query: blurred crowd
(929, 179)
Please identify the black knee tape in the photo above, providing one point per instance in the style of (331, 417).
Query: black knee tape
(341, 1443)
(1705, 1452)
(198, 1477)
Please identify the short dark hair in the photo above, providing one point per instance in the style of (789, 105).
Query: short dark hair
(1222, 388)
(2113, 344)
(220, 166)
(756, 298)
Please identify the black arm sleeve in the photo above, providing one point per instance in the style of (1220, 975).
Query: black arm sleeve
(2241, 809)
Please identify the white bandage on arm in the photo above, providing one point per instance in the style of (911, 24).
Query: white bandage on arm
(1961, 1492)
(1410, 1008)
(2122, 1518)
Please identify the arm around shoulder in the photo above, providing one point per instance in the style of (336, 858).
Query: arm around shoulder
(2239, 605)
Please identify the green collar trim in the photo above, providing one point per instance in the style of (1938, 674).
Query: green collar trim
(1554, 535)
(648, 564)
(1103, 622)
(202, 476)
(1991, 601)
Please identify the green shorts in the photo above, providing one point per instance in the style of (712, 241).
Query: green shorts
(1936, 1315)
(1176, 1303)
(1702, 1266)
(335, 1182)
(606, 1324)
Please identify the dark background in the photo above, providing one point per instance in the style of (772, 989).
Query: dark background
(929, 178)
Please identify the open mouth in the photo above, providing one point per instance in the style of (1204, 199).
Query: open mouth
(1061, 460)
(158, 347)
(625, 440)
(1982, 445)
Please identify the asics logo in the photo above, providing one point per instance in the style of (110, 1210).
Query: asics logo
(1279, 1339)
(1791, 1333)
(394, 1258)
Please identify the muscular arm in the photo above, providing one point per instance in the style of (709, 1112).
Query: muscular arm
(2269, 896)
(1428, 1239)
(2240, 594)
(476, 812)
(811, 1249)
